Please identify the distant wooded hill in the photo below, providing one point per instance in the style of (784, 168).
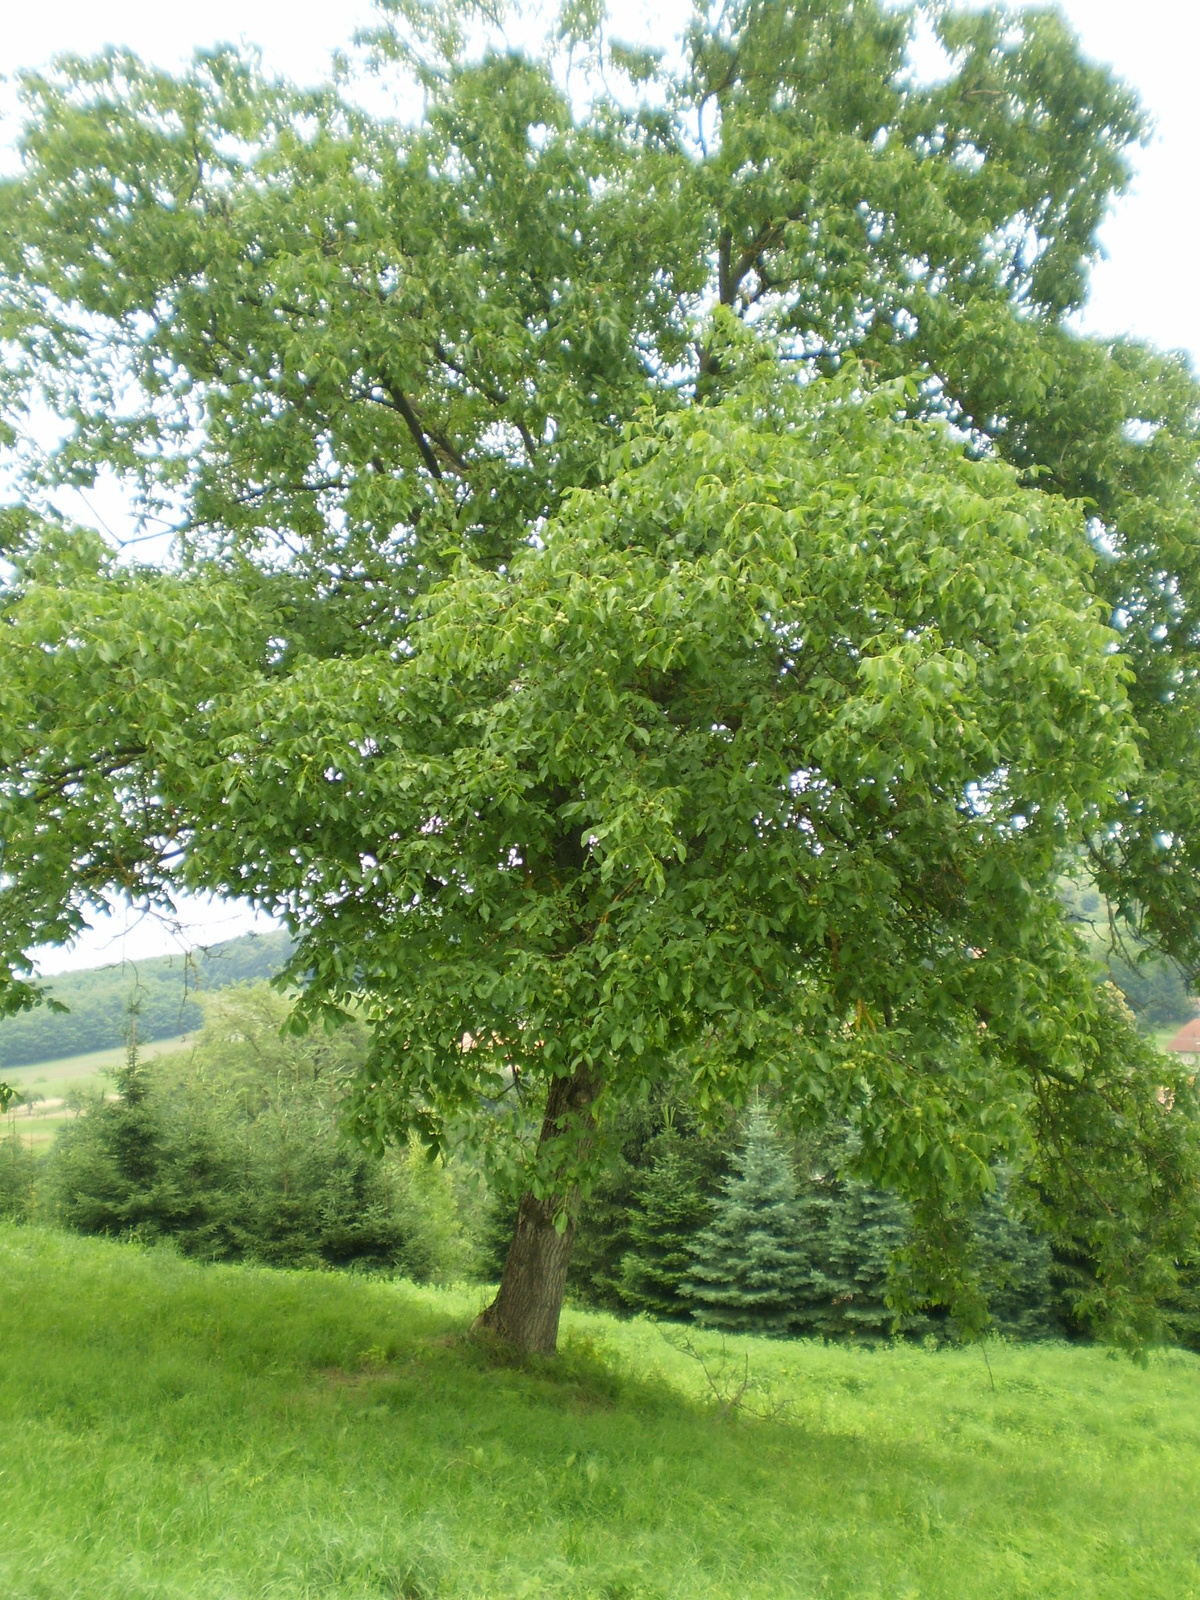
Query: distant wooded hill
(100, 1001)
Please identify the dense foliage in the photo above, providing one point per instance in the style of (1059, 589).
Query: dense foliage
(146, 1000)
(234, 1151)
(657, 581)
(769, 1235)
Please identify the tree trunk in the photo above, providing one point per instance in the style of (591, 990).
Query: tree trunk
(526, 1310)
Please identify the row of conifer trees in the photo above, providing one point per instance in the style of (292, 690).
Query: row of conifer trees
(759, 1232)
(234, 1152)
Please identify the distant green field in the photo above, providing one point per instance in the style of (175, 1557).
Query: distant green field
(55, 1080)
(168, 1429)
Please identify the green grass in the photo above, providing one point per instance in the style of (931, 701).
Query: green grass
(54, 1080)
(174, 1430)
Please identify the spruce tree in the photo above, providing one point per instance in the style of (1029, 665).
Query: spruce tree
(749, 1268)
(670, 1206)
(1016, 1266)
(849, 1234)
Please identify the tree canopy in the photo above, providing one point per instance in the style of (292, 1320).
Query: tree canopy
(659, 589)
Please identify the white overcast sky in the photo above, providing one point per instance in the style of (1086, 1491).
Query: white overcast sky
(1145, 285)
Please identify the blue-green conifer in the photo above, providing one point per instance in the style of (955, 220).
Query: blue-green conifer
(749, 1268)
(670, 1206)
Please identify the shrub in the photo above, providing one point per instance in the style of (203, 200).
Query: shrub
(237, 1154)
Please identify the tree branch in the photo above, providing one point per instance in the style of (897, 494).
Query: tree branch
(489, 392)
(400, 401)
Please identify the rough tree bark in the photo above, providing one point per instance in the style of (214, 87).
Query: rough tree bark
(526, 1310)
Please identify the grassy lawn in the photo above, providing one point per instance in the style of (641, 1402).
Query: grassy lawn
(174, 1430)
(54, 1080)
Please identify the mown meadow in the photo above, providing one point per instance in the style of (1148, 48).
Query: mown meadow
(173, 1429)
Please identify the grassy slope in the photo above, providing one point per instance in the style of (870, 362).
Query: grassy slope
(173, 1430)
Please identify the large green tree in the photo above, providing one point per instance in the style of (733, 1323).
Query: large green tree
(659, 589)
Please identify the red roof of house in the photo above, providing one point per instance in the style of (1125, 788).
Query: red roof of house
(1187, 1040)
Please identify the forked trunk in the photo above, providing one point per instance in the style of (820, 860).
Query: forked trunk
(526, 1310)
